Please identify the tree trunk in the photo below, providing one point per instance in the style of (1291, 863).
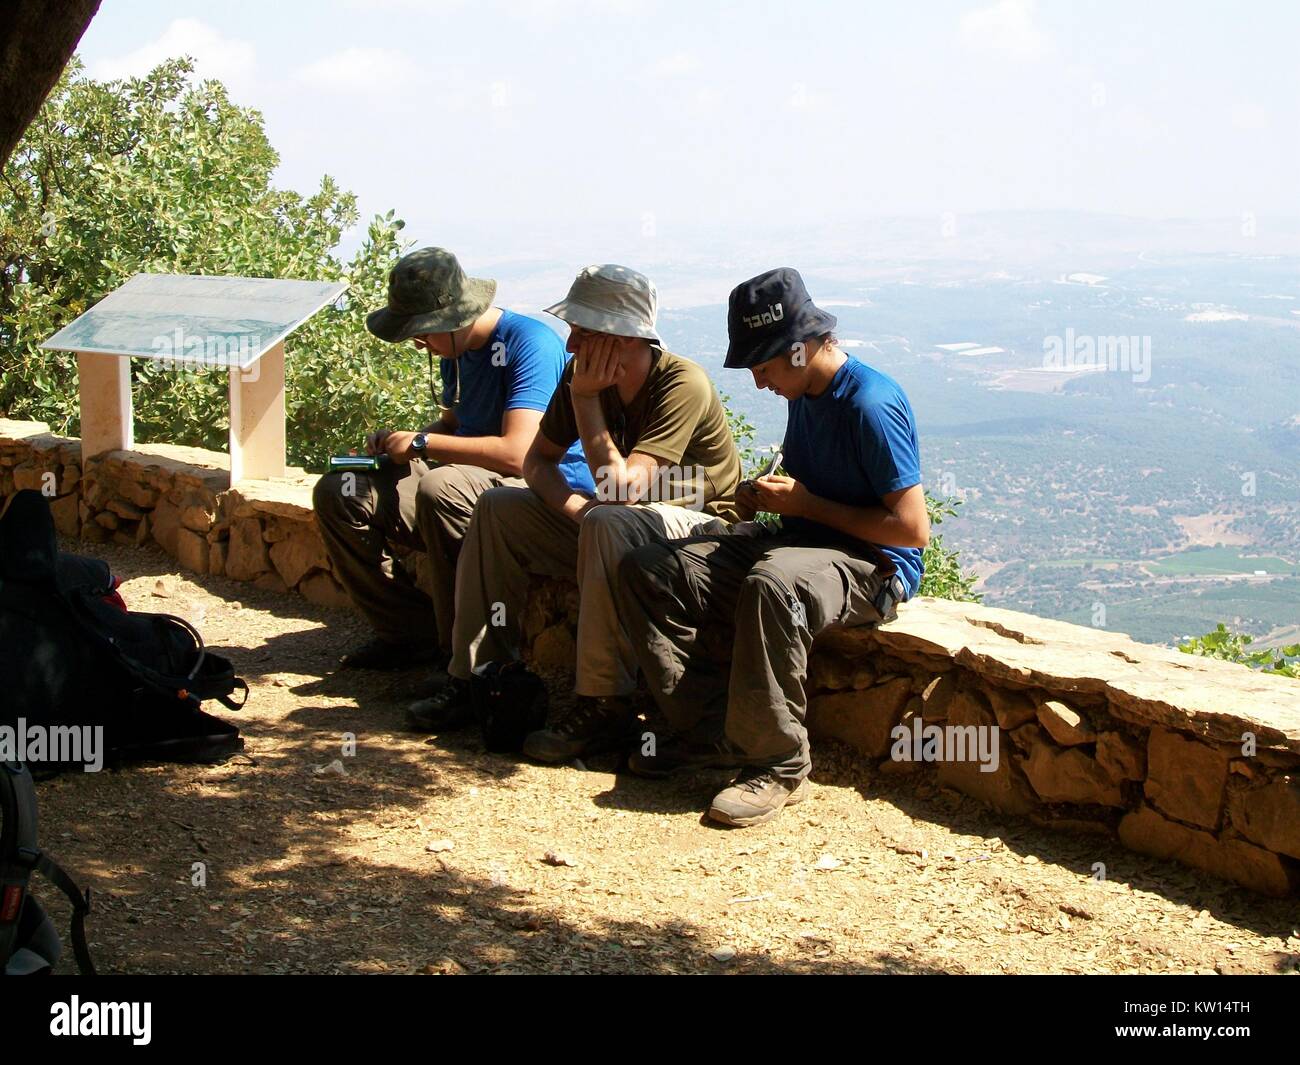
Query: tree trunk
(37, 38)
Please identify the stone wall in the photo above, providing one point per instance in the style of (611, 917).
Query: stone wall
(180, 499)
(1176, 756)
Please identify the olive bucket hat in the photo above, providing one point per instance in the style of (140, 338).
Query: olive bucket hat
(428, 292)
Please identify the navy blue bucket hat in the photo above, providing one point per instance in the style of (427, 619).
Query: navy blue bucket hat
(768, 315)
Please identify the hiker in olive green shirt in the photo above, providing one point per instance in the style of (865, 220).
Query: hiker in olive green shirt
(665, 466)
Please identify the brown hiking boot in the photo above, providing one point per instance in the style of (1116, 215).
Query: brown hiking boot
(596, 724)
(756, 796)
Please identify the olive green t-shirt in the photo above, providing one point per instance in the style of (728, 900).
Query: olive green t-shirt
(676, 417)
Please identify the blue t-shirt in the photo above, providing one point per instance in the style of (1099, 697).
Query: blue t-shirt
(854, 444)
(518, 368)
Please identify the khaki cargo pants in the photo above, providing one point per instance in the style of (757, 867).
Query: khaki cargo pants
(514, 536)
(416, 506)
(723, 626)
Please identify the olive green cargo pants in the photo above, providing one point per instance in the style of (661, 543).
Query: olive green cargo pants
(723, 626)
(514, 536)
(417, 506)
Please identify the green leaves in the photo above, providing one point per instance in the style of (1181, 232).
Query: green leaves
(944, 577)
(160, 174)
(1231, 646)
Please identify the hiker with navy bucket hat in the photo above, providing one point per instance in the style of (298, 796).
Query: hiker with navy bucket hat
(723, 624)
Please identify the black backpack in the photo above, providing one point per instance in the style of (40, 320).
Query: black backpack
(510, 702)
(29, 945)
(71, 658)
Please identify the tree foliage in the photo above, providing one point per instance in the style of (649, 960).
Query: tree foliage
(944, 578)
(1231, 646)
(159, 174)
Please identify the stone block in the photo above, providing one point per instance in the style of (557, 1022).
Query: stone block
(197, 518)
(1005, 788)
(1269, 815)
(1065, 724)
(937, 697)
(1185, 778)
(1260, 870)
(1123, 757)
(247, 557)
(65, 511)
(1070, 775)
(271, 582)
(298, 553)
(1011, 708)
(323, 590)
(862, 719)
(191, 550)
(164, 523)
(554, 650)
(123, 509)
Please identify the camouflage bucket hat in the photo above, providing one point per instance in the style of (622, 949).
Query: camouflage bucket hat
(428, 292)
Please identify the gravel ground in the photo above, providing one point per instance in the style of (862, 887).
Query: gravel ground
(431, 856)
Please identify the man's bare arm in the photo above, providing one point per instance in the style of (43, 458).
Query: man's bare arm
(900, 521)
(618, 479)
(542, 470)
(503, 454)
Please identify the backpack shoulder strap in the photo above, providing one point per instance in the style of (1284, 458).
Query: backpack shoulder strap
(57, 876)
(19, 855)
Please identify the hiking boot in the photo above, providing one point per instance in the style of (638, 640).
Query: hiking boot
(596, 724)
(447, 709)
(676, 754)
(386, 655)
(756, 796)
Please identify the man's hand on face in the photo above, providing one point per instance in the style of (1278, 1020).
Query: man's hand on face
(396, 445)
(780, 495)
(596, 364)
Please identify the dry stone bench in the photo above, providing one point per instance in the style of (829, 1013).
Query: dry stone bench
(1179, 757)
(180, 499)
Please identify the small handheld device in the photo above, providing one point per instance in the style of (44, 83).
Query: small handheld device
(773, 464)
(359, 462)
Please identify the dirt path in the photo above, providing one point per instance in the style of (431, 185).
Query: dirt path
(427, 856)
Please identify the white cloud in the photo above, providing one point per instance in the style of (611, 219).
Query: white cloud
(364, 70)
(1251, 117)
(1006, 28)
(675, 65)
(227, 59)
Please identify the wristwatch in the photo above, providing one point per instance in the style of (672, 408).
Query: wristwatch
(418, 442)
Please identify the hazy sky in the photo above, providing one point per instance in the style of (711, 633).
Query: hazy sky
(486, 122)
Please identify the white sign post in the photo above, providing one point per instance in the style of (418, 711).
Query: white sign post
(183, 321)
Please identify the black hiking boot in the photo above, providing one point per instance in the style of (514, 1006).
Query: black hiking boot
(595, 724)
(446, 710)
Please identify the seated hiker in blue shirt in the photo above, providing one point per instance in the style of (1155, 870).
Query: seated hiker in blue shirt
(723, 625)
(499, 371)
